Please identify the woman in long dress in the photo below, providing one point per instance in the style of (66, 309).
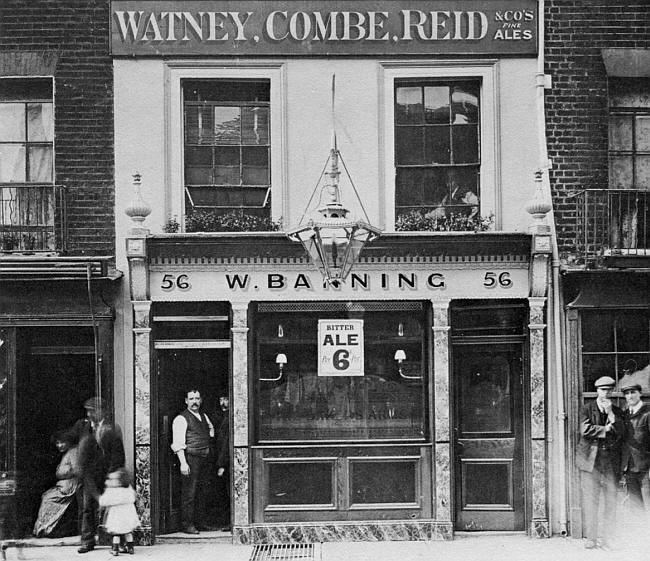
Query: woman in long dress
(56, 500)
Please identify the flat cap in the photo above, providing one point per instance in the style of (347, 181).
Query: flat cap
(629, 386)
(605, 381)
(95, 404)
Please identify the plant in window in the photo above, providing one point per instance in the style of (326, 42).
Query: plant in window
(233, 221)
(434, 221)
(171, 226)
(9, 242)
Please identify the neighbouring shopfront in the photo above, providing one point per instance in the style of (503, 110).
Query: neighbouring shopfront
(408, 402)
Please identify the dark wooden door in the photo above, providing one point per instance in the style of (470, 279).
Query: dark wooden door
(489, 431)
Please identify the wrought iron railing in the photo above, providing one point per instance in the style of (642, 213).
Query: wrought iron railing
(32, 218)
(612, 222)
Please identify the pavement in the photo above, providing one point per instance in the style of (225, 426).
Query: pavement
(466, 547)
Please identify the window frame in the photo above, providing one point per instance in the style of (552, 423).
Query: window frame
(177, 71)
(26, 142)
(486, 72)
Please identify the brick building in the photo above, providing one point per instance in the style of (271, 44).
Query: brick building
(57, 279)
(597, 115)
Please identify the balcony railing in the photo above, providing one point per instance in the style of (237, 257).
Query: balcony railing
(612, 222)
(32, 218)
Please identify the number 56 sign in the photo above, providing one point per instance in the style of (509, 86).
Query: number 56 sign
(340, 347)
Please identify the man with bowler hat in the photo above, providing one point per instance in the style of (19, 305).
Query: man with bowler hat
(598, 459)
(635, 457)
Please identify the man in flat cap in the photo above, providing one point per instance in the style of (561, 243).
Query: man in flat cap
(635, 457)
(598, 459)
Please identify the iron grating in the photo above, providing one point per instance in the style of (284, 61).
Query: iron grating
(283, 552)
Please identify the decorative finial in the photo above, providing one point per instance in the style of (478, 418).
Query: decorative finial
(138, 210)
(539, 206)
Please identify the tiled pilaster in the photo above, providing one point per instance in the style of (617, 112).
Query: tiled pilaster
(537, 326)
(240, 411)
(441, 405)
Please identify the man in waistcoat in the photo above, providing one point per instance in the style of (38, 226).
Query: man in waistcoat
(598, 459)
(635, 459)
(192, 431)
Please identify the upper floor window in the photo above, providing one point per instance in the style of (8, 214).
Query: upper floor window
(227, 147)
(437, 147)
(629, 134)
(26, 130)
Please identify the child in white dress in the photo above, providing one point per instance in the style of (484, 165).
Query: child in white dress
(121, 518)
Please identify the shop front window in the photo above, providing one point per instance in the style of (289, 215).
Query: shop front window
(299, 399)
(615, 343)
(4, 401)
(227, 150)
(437, 149)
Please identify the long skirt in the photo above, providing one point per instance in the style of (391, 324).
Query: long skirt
(54, 503)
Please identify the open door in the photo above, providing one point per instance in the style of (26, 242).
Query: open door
(180, 369)
(489, 431)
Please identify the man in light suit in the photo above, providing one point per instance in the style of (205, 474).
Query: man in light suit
(598, 459)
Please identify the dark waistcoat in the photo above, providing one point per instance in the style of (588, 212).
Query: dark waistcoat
(197, 437)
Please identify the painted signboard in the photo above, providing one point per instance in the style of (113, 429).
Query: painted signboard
(340, 347)
(315, 28)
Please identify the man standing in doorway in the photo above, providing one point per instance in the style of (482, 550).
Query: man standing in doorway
(598, 459)
(192, 431)
(635, 459)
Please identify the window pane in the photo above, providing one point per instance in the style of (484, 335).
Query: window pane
(198, 165)
(227, 162)
(225, 90)
(437, 149)
(383, 482)
(409, 188)
(12, 163)
(436, 105)
(198, 156)
(304, 483)
(642, 173)
(632, 332)
(208, 196)
(12, 122)
(196, 175)
(198, 125)
(408, 145)
(408, 105)
(40, 164)
(597, 331)
(465, 144)
(227, 122)
(642, 133)
(255, 163)
(620, 132)
(255, 125)
(4, 402)
(436, 189)
(595, 366)
(464, 104)
(486, 483)
(39, 122)
(620, 172)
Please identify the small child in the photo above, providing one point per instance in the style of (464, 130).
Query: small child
(121, 518)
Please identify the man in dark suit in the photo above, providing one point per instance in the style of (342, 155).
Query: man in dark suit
(598, 459)
(223, 462)
(635, 459)
(101, 451)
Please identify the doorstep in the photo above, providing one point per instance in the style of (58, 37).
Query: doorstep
(203, 537)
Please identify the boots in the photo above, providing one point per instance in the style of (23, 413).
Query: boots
(129, 548)
(115, 550)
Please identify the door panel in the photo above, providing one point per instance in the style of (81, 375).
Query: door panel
(489, 458)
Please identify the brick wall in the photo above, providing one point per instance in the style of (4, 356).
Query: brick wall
(576, 107)
(78, 30)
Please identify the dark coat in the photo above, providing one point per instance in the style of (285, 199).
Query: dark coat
(593, 437)
(223, 444)
(636, 445)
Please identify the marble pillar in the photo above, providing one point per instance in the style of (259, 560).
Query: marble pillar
(537, 327)
(142, 346)
(240, 412)
(442, 413)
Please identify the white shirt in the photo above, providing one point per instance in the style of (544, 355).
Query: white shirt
(179, 429)
(635, 409)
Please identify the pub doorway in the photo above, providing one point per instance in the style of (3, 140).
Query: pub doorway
(179, 370)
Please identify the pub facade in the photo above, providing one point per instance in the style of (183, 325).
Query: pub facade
(409, 401)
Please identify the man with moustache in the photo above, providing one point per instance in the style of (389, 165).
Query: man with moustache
(598, 459)
(192, 431)
(635, 458)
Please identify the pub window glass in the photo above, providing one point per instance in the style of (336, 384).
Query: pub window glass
(615, 343)
(227, 149)
(4, 402)
(300, 405)
(437, 149)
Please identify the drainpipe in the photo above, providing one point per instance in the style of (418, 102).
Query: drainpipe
(554, 350)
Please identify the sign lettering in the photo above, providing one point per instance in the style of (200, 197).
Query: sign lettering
(340, 347)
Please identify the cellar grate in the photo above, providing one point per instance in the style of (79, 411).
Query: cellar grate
(283, 552)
